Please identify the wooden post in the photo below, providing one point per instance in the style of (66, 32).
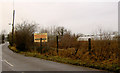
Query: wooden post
(41, 45)
(118, 53)
(57, 43)
(89, 45)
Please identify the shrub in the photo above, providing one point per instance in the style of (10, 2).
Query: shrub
(3, 38)
(24, 36)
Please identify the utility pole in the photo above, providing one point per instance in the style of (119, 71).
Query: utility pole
(13, 27)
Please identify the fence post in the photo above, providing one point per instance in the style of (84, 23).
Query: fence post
(57, 43)
(41, 45)
(89, 45)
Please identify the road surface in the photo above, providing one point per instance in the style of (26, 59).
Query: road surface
(16, 62)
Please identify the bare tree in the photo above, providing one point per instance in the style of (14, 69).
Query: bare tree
(60, 31)
(100, 32)
(24, 36)
(3, 36)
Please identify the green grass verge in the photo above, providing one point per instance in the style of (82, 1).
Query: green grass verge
(107, 67)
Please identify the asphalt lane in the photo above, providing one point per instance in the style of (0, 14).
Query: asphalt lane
(16, 62)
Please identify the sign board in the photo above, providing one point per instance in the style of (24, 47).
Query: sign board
(37, 37)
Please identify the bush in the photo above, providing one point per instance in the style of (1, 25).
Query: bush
(3, 38)
(24, 36)
(9, 38)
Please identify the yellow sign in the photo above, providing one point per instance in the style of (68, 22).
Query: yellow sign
(37, 37)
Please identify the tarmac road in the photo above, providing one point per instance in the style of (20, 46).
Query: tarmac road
(16, 62)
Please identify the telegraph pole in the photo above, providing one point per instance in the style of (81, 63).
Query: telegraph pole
(13, 27)
(13, 24)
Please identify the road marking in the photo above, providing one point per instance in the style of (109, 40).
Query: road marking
(8, 63)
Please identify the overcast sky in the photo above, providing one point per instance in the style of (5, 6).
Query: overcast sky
(78, 16)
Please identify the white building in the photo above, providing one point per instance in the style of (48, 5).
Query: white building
(95, 37)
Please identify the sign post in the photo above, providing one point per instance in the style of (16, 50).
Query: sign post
(37, 37)
(40, 37)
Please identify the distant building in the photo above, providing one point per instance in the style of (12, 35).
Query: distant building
(85, 38)
(96, 37)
